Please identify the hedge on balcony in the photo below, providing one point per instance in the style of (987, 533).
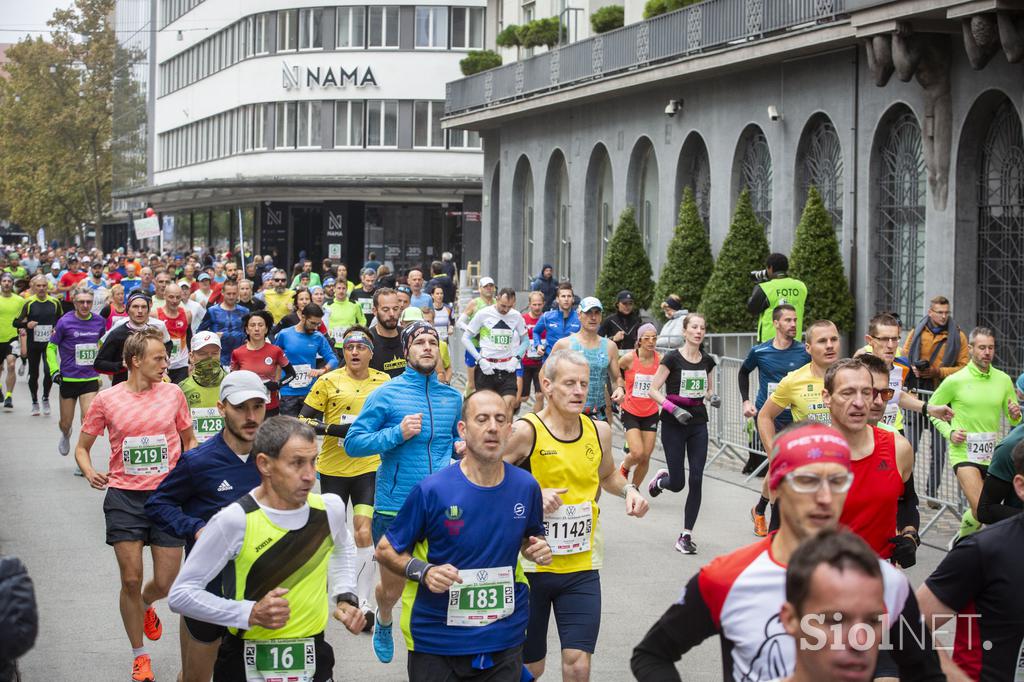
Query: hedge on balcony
(655, 7)
(479, 60)
(608, 18)
(509, 36)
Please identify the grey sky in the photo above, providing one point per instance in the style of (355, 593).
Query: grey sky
(21, 17)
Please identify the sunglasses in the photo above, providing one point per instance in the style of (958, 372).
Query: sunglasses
(885, 393)
(811, 483)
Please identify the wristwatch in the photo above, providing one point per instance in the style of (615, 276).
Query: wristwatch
(348, 598)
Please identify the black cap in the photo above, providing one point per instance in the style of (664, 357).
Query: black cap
(624, 295)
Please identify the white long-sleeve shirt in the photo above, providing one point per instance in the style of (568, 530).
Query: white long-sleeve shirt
(221, 541)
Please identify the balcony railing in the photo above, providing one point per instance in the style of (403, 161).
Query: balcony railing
(685, 32)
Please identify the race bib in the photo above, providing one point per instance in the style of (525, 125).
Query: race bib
(339, 333)
(177, 352)
(347, 419)
(889, 416)
(980, 447)
(302, 377)
(206, 422)
(145, 455)
(534, 352)
(85, 354)
(772, 387)
(484, 596)
(366, 305)
(693, 383)
(280, 659)
(568, 528)
(642, 385)
(41, 333)
(501, 339)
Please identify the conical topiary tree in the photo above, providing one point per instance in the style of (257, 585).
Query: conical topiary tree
(724, 302)
(815, 260)
(626, 266)
(688, 263)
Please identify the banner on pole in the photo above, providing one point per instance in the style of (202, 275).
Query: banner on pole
(146, 228)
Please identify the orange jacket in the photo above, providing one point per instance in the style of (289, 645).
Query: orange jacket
(928, 341)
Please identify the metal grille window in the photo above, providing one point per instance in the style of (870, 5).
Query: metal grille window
(382, 123)
(822, 167)
(899, 231)
(287, 30)
(648, 208)
(604, 210)
(351, 24)
(310, 33)
(432, 27)
(1001, 237)
(564, 242)
(427, 130)
(756, 176)
(383, 27)
(528, 239)
(348, 124)
(468, 28)
(699, 180)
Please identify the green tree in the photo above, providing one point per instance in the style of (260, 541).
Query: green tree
(815, 260)
(688, 263)
(479, 60)
(725, 298)
(626, 265)
(608, 18)
(55, 122)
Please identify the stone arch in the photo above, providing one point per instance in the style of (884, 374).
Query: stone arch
(898, 207)
(557, 241)
(819, 162)
(642, 190)
(694, 171)
(522, 215)
(494, 214)
(599, 213)
(752, 169)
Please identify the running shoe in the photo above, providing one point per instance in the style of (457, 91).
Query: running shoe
(64, 446)
(46, 407)
(654, 487)
(8, 403)
(760, 524)
(368, 614)
(383, 644)
(686, 545)
(151, 624)
(142, 669)
(35, 409)
(22, 367)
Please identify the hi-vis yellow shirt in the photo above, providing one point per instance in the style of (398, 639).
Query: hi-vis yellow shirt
(572, 465)
(800, 391)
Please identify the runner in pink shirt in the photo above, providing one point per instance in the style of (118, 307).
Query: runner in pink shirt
(149, 425)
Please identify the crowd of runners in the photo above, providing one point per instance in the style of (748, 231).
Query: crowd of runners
(292, 446)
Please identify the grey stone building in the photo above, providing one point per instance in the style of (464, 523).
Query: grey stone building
(905, 114)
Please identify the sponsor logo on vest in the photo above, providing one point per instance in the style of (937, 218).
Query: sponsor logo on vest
(519, 511)
(263, 545)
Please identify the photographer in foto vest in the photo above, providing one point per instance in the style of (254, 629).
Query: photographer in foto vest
(773, 287)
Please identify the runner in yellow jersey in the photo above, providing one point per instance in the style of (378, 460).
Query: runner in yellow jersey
(333, 403)
(570, 455)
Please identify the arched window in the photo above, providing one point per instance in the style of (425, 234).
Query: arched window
(821, 165)
(694, 171)
(522, 217)
(557, 214)
(642, 186)
(755, 174)
(598, 215)
(900, 220)
(1001, 236)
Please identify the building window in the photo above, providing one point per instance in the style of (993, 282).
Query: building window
(348, 123)
(822, 168)
(648, 208)
(756, 176)
(287, 30)
(900, 221)
(285, 135)
(432, 27)
(427, 130)
(383, 27)
(310, 33)
(468, 28)
(260, 44)
(464, 139)
(382, 123)
(351, 27)
(308, 124)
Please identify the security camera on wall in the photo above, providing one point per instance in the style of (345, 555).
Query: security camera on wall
(673, 107)
(773, 113)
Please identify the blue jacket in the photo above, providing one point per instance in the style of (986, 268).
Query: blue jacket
(553, 326)
(378, 429)
(205, 480)
(545, 285)
(229, 323)
(303, 349)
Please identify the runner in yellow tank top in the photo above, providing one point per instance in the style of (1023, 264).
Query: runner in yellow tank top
(570, 456)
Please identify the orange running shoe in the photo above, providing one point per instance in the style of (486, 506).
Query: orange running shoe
(760, 525)
(142, 669)
(151, 624)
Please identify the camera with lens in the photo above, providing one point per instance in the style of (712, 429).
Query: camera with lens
(759, 276)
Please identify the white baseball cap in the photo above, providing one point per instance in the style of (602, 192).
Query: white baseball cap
(242, 385)
(484, 281)
(589, 303)
(203, 339)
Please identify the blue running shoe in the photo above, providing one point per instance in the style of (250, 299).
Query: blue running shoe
(383, 644)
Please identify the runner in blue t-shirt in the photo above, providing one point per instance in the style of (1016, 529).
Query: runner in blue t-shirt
(302, 344)
(773, 360)
(457, 540)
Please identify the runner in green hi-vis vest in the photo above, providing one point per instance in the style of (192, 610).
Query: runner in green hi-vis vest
(774, 287)
(283, 551)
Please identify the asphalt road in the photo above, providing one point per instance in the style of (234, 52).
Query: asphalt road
(54, 522)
